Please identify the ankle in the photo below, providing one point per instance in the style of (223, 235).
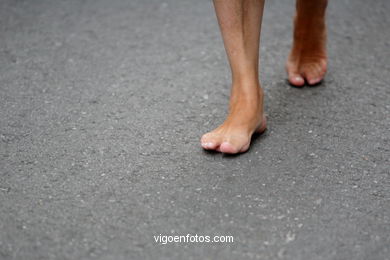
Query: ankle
(251, 96)
(246, 81)
(310, 7)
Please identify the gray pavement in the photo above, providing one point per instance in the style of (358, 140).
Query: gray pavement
(102, 104)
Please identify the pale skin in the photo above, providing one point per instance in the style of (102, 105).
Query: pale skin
(240, 24)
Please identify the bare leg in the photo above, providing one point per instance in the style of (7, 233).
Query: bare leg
(240, 24)
(308, 59)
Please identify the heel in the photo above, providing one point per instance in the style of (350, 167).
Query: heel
(263, 126)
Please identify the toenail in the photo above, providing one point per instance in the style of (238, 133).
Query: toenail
(207, 144)
(298, 78)
(313, 81)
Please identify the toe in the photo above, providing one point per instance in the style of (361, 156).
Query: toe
(314, 81)
(313, 77)
(235, 144)
(296, 80)
(210, 141)
(314, 73)
(294, 77)
(227, 147)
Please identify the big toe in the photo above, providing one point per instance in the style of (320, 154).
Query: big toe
(210, 141)
(296, 80)
(294, 76)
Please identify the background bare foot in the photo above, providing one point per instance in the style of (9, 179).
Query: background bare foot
(308, 60)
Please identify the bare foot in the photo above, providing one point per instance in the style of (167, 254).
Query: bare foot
(244, 119)
(308, 60)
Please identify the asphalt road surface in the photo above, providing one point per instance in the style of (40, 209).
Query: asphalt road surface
(102, 104)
